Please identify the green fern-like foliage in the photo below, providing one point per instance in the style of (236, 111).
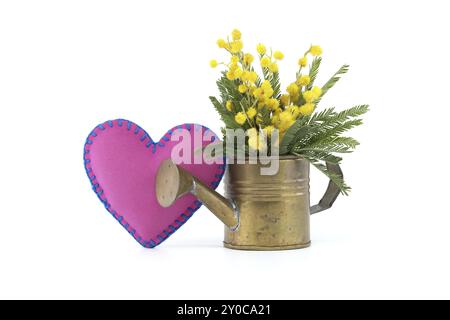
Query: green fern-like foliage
(335, 78)
(274, 79)
(225, 115)
(314, 70)
(319, 139)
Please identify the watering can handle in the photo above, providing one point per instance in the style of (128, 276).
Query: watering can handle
(331, 193)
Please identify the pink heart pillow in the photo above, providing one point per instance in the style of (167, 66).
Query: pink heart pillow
(121, 161)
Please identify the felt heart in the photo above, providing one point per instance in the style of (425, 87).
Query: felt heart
(121, 161)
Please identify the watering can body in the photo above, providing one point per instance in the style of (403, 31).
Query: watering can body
(260, 212)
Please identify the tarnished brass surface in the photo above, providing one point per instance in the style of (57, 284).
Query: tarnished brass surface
(274, 210)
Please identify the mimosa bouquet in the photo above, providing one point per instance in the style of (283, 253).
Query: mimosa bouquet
(256, 103)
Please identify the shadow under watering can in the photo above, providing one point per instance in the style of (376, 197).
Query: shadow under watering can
(260, 212)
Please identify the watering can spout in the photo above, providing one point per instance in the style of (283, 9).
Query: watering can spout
(173, 182)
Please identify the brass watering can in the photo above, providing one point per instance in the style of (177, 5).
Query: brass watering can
(260, 212)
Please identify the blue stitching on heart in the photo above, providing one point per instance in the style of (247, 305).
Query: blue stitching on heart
(184, 216)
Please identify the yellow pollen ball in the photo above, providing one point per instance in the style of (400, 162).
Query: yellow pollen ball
(309, 96)
(273, 67)
(248, 58)
(234, 60)
(315, 50)
(265, 62)
(236, 46)
(221, 43)
(252, 76)
(213, 63)
(251, 113)
(303, 80)
(292, 89)
(236, 34)
(278, 55)
(303, 62)
(238, 73)
(307, 109)
(284, 99)
(317, 91)
(261, 49)
(242, 88)
(240, 118)
(273, 103)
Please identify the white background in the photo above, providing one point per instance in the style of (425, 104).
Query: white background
(66, 66)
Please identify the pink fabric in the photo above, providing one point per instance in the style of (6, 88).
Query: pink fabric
(121, 161)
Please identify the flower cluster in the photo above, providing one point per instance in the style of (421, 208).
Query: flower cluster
(254, 100)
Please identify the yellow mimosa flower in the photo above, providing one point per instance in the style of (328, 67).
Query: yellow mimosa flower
(258, 93)
(276, 120)
(234, 60)
(238, 73)
(261, 49)
(273, 67)
(265, 62)
(242, 88)
(236, 34)
(315, 50)
(248, 58)
(267, 90)
(278, 55)
(307, 109)
(303, 62)
(240, 118)
(236, 46)
(286, 120)
(213, 63)
(317, 91)
(284, 99)
(266, 85)
(246, 76)
(309, 96)
(273, 103)
(252, 76)
(251, 113)
(229, 105)
(261, 104)
(294, 110)
(303, 80)
(221, 43)
(293, 90)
